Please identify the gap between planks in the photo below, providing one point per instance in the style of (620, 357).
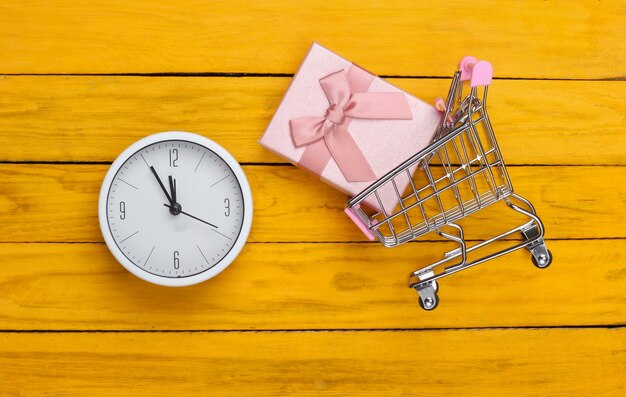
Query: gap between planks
(308, 330)
(375, 242)
(263, 164)
(279, 75)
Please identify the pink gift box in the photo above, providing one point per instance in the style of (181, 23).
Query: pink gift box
(330, 124)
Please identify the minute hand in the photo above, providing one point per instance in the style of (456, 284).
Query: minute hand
(161, 184)
(196, 218)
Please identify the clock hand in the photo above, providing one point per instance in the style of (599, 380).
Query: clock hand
(191, 216)
(173, 189)
(175, 208)
(161, 184)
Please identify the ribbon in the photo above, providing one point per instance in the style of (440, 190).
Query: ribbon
(328, 136)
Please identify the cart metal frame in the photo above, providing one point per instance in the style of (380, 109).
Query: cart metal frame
(458, 174)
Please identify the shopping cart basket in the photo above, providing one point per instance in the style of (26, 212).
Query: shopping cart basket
(459, 173)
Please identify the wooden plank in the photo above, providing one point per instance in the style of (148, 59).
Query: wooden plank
(523, 39)
(58, 203)
(311, 286)
(558, 362)
(93, 118)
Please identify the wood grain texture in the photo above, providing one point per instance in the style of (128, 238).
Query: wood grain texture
(584, 39)
(312, 286)
(58, 203)
(554, 362)
(93, 118)
(309, 308)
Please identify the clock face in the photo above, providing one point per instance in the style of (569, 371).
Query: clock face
(175, 209)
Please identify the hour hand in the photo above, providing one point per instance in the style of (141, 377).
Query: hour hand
(162, 186)
(173, 189)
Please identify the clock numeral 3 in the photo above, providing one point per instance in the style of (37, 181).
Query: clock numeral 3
(227, 207)
(173, 157)
(122, 210)
(176, 260)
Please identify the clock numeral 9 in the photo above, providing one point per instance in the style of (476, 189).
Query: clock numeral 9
(173, 157)
(227, 207)
(122, 210)
(176, 260)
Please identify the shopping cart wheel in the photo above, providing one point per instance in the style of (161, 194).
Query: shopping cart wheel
(541, 256)
(428, 298)
(542, 260)
(430, 303)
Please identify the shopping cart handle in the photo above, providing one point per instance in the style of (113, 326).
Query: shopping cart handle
(357, 221)
(479, 73)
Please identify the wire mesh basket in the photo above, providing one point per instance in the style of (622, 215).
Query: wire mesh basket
(458, 174)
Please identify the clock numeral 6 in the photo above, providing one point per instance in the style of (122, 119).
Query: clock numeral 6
(173, 157)
(227, 207)
(176, 260)
(122, 210)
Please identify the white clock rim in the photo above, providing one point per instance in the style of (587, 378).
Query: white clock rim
(245, 191)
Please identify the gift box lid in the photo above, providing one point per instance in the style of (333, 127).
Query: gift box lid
(383, 142)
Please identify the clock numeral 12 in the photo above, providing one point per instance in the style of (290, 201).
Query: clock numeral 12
(176, 260)
(122, 210)
(227, 207)
(173, 157)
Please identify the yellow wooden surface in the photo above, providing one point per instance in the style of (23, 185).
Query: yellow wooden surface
(549, 362)
(58, 203)
(582, 39)
(312, 286)
(309, 308)
(93, 118)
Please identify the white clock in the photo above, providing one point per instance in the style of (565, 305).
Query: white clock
(175, 208)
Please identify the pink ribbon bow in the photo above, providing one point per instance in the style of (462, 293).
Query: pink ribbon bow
(328, 136)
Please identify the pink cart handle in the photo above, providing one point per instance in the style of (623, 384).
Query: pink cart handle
(357, 221)
(479, 73)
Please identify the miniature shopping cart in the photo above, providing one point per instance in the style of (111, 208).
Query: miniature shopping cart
(460, 173)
